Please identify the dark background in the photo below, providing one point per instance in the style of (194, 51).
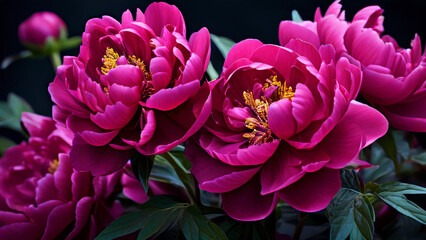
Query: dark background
(237, 20)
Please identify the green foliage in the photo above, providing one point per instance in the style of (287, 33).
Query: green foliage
(392, 193)
(223, 44)
(420, 159)
(296, 16)
(142, 165)
(10, 112)
(350, 211)
(211, 71)
(5, 143)
(159, 215)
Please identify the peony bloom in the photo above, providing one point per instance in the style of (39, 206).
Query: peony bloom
(284, 121)
(135, 85)
(41, 25)
(393, 78)
(42, 197)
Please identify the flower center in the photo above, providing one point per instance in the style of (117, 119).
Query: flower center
(53, 165)
(259, 125)
(110, 60)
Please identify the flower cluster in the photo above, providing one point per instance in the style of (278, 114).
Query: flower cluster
(279, 123)
(137, 84)
(42, 197)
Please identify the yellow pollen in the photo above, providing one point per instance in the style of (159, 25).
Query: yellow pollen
(259, 126)
(140, 64)
(53, 165)
(281, 92)
(260, 106)
(109, 60)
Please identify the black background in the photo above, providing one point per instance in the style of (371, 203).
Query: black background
(237, 20)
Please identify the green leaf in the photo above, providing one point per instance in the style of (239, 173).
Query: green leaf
(142, 166)
(5, 143)
(197, 226)
(211, 71)
(420, 159)
(387, 142)
(163, 172)
(350, 213)
(296, 16)
(159, 221)
(10, 112)
(126, 224)
(392, 193)
(13, 58)
(351, 179)
(385, 166)
(223, 44)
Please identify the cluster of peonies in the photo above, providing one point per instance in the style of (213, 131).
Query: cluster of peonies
(279, 123)
(42, 197)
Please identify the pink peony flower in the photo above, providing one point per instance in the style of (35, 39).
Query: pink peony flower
(284, 121)
(42, 197)
(41, 25)
(393, 78)
(135, 85)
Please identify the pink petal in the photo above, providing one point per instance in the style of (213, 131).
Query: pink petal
(199, 43)
(281, 120)
(314, 191)
(241, 50)
(305, 49)
(212, 174)
(372, 123)
(247, 204)
(133, 189)
(115, 116)
(97, 160)
(58, 220)
(158, 15)
(92, 134)
(82, 216)
(62, 176)
(27, 231)
(169, 98)
(289, 30)
(37, 125)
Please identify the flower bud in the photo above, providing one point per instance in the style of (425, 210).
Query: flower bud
(41, 25)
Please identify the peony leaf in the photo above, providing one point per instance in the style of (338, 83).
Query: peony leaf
(420, 159)
(5, 143)
(196, 226)
(385, 165)
(392, 193)
(163, 172)
(10, 112)
(387, 142)
(211, 71)
(126, 224)
(296, 16)
(350, 213)
(142, 166)
(223, 44)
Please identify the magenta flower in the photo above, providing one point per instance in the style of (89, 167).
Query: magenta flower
(284, 121)
(41, 25)
(135, 85)
(42, 197)
(393, 78)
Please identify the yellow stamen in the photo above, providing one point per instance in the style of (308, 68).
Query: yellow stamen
(259, 106)
(281, 91)
(140, 64)
(109, 60)
(53, 165)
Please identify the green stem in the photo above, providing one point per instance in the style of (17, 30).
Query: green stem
(181, 173)
(298, 231)
(55, 58)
